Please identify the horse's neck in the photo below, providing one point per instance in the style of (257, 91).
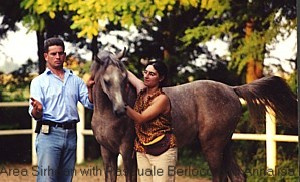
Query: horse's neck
(131, 95)
(101, 101)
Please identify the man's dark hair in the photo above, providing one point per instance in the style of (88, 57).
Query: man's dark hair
(53, 41)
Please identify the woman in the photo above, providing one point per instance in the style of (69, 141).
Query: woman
(155, 144)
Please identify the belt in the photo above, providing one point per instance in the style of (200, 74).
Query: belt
(64, 125)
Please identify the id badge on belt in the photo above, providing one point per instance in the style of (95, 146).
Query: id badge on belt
(45, 129)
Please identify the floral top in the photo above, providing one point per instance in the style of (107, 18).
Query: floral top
(150, 130)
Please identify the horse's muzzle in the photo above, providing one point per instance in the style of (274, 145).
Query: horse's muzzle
(120, 112)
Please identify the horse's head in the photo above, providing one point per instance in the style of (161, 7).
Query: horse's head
(111, 75)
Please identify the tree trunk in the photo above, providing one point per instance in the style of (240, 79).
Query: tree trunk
(94, 47)
(40, 44)
(254, 68)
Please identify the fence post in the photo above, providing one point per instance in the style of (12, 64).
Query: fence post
(80, 136)
(33, 137)
(270, 141)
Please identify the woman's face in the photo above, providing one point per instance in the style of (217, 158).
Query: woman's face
(151, 76)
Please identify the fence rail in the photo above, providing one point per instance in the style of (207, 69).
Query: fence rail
(270, 137)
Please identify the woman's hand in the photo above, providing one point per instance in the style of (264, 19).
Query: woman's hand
(160, 105)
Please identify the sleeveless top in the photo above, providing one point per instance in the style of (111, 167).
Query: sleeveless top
(152, 130)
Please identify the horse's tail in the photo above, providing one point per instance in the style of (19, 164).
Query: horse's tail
(272, 92)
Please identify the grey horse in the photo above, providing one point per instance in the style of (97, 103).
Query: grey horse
(206, 110)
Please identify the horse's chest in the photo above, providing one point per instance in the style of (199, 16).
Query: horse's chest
(106, 131)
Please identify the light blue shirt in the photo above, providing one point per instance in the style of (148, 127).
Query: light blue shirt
(59, 98)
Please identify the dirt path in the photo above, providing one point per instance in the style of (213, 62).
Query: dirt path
(83, 173)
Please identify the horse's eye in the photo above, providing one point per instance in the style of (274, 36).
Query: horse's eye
(107, 82)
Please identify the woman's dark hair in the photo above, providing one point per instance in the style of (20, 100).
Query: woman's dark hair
(162, 70)
(53, 41)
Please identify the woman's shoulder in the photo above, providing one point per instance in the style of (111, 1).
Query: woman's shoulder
(164, 102)
(162, 98)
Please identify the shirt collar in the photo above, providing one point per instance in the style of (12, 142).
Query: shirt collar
(48, 71)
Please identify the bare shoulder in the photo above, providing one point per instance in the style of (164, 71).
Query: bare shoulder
(164, 102)
(163, 98)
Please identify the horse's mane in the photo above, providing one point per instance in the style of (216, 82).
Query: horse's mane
(103, 60)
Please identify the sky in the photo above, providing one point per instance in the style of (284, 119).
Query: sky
(20, 46)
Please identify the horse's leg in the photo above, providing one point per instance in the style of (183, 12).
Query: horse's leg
(234, 171)
(213, 144)
(129, 159)
(130, 166)
(110, 164)
(214, 157)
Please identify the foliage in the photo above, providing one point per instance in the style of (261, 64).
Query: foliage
(14, 86)
(227, 20)
(88, 13)
(286, 170)
(49, 19)
(293, 82)
(191, 158)
(11, 13)
(161, 37)
(219, 19)
(251, 157)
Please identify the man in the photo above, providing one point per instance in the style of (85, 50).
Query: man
(53, 103)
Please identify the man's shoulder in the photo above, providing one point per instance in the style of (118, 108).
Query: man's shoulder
(39, 77)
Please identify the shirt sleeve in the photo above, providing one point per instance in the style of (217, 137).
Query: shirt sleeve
(83, 95)
(36, 93)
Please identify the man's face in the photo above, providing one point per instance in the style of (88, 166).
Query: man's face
(55, 57)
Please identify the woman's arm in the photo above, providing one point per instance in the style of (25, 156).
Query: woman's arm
(137, 83)
(160, 105)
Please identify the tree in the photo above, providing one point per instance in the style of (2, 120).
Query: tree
(157, 23)
(12, 13)
(177, 27)
(48, 19)
(249, 26)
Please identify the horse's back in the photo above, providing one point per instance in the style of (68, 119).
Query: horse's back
(200, 107)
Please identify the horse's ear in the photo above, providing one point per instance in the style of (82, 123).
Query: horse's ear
(124, 60)
(97, 59)
(144, 61)
(121, 54)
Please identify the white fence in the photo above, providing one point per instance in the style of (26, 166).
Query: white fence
(270, 137)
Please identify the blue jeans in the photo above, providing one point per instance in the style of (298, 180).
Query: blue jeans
(56, 154)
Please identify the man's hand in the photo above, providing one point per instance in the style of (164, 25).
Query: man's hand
(37, 111)
(90, 83)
